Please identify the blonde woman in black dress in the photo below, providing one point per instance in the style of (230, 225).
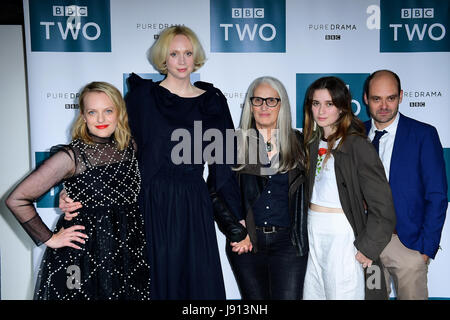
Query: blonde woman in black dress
(100, 254)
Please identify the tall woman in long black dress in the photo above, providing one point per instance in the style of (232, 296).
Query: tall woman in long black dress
(178, 214)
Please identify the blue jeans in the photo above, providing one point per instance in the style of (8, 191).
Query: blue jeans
(275, 272)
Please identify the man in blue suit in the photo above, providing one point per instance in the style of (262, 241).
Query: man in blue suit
(413, 159)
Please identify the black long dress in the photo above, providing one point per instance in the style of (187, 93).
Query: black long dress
(176, 203)
(112, 264)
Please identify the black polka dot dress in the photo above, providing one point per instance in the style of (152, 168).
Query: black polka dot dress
(112, 264)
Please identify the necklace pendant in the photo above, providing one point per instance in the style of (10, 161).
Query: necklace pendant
(268, 146)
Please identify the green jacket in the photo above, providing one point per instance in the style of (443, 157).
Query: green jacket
(362, 183)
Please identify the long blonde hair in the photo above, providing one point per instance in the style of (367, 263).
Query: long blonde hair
(291, 151)
(122, 134)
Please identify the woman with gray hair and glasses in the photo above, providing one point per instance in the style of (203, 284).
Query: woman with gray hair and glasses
(270, 262)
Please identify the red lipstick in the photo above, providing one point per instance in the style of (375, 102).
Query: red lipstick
(104, 126)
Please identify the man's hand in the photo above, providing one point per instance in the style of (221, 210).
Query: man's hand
(68, 206)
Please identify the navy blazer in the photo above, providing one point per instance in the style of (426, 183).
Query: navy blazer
(419, 185)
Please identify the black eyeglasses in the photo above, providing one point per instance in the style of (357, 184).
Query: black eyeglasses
(270, 101)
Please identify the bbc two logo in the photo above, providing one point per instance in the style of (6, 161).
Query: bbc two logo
(414, 26)
(250, 26)
(70, 25)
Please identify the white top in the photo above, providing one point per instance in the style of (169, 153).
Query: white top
(325, 192)
(386, 143)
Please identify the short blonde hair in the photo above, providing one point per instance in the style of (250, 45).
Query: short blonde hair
(160, 49)
(122, 134)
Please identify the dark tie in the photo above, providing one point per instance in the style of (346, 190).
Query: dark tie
(376, 139)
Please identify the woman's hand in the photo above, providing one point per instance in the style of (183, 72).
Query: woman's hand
(68, 206)
(64, 238)
(361, 258)
(242, 246)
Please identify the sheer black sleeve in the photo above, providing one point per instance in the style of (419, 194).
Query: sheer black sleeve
(222, 183)
(59, 166)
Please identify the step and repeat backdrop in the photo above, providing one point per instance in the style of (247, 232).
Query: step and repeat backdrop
(72, 42)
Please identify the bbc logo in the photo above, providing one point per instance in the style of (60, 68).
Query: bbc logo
(332, 37)
(247, 13)
(417, 104)
(417, 13)
(70, 11)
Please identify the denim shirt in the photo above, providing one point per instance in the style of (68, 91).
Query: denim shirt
(272, 207)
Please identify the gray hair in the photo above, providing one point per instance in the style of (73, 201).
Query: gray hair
(290, 150)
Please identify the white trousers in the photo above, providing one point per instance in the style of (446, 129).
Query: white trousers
(332, 273)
